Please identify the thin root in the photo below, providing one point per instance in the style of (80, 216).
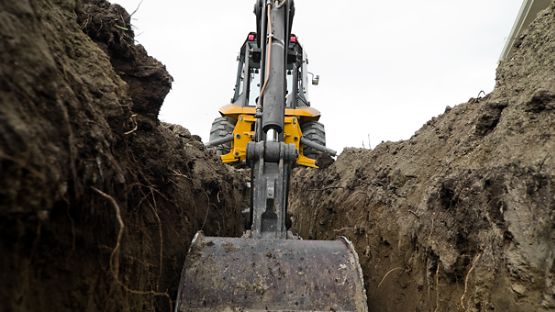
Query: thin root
(135, 124)
(160, 234)
(437, 287)
(466, 279)
(387, 274)
(114, 257)
(325, 188)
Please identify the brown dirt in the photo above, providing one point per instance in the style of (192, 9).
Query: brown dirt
(98, 200)
(461, 217)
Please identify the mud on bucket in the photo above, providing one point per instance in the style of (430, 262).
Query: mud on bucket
(242, 274)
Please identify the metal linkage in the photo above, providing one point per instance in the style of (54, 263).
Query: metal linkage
(271, 163)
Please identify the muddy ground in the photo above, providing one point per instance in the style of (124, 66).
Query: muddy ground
(460, 217)
(98, 199)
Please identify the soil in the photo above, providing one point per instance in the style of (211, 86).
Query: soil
(98, 199)
(460, 217)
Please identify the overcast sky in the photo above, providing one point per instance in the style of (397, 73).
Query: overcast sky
(386, 67)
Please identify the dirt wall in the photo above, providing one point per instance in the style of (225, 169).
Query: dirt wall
(98, 199)
(460, 217)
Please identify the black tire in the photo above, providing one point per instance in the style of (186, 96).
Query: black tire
(222, 127)
(315, 132)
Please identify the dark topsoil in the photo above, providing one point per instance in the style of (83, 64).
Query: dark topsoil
(98, 199)
(461, 217)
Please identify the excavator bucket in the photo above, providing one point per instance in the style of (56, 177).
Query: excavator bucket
(243, 274)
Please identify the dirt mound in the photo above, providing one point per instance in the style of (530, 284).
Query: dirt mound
(98, 200)
(461, 217)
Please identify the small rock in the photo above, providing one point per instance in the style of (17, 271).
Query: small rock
(518, 289)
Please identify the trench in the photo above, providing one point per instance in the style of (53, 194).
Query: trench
(99, 200)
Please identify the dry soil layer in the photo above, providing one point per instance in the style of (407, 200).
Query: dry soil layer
(461, 217)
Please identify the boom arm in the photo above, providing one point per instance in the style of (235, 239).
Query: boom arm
(271, 159)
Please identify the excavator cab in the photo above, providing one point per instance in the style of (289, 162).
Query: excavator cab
(247, 85)
(269, 268)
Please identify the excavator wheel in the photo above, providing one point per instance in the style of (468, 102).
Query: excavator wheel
(222, 127)
(315, 132)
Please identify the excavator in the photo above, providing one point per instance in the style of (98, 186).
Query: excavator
(231, 133)
(269, 268)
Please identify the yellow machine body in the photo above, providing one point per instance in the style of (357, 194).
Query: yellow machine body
(244, 131)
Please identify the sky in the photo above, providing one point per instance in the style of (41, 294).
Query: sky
(386, 67)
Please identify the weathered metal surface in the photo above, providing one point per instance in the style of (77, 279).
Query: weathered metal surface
(241, 274)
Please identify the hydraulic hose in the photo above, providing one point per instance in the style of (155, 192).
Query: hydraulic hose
(268, 57)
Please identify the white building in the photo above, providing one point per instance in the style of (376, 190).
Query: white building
(528, 12)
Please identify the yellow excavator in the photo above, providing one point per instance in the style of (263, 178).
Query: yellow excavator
(269, 268)
(231, 133)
